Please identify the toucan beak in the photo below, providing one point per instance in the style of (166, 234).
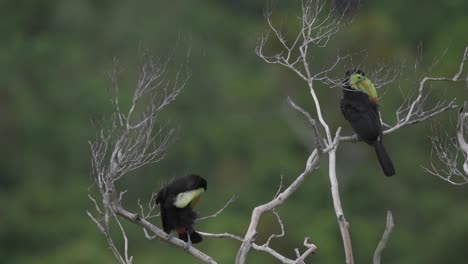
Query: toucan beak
(196, 200)
(366, 86)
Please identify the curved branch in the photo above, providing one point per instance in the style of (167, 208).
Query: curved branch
(265, 248)
(275, 203)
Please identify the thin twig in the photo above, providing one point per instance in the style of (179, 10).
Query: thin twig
(309, 118)
(231, 200)
(310, 248)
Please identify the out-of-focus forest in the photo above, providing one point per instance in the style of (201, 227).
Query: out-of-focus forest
(234, 128)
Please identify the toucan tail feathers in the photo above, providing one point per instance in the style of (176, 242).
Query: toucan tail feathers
(194, 237)
(384, 160)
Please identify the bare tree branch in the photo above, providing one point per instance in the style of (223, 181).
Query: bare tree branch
(133, 139)
(295, 56)
(385, 237)
(319, 22)
(461, 134)
(310, 248)
(310, 119)
(151, 205)
(163, 236)
(273, 204)
(448, 150)
(231, 200)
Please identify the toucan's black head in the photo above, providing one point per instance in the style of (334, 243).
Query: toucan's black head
(196, 181)
(187, 183)
(350, 72)
(180, 185)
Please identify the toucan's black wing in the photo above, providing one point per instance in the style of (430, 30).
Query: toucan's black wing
(160, 199)
(181, 220)
(164, 220)
(363, 117)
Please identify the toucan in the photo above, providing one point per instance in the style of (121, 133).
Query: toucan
(176, 202)
(359, 106)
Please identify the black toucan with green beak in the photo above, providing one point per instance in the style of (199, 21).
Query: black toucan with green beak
(359, 106)
(176, 201)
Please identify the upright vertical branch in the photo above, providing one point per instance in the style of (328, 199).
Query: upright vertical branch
(319, 22)
(461, 126)
(295, 55)
(337, 203)
(385, 237)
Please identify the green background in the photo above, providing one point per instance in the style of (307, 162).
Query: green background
(234, 127)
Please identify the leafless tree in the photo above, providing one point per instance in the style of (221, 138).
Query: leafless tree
(319, 22)
(129, 140)
(136, 138)
(449, 150)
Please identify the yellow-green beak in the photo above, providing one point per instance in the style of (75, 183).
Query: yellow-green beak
(367, 87)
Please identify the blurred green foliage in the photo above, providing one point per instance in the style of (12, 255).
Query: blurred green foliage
(234, 128)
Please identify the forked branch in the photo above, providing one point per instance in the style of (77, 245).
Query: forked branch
(247, 241)
(449, 150)
(318, 23)
(129, 140)
(385, 237)
(295, 55)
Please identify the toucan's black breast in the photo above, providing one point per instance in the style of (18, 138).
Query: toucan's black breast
(364, 118)
(173, 217)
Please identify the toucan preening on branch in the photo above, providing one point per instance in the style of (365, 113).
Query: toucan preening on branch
(359, 106)
(176, 201)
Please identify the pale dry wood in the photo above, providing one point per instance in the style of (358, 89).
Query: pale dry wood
(131, 140)
(385, 237)
(319, 22)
